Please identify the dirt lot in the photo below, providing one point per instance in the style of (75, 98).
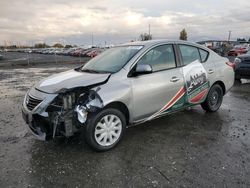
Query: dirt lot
(188, 149)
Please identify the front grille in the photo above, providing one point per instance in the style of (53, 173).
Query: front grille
(32, 102)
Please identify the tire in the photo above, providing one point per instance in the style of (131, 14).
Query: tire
(100, 134)
(237, 77)
(214, 99)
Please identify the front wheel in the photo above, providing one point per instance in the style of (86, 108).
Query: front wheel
(105, 129)
(214, 99)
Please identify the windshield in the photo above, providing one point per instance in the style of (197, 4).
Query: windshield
(112, 60)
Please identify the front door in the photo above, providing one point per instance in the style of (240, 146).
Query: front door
(160, 91)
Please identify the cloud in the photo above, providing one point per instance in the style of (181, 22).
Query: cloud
(120, 21)
(98, 8)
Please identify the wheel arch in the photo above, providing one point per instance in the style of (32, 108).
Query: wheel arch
(222, 85)
(120, 106)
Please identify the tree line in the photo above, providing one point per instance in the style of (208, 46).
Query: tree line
(57, 45)
(142, 37)
(243, 40)
(146, 36)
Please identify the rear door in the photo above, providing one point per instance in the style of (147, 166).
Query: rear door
(197, 72)
(158, 92)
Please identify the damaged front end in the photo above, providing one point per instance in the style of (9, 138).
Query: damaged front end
(61, 114)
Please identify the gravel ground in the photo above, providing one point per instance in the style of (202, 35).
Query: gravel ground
(187, 149)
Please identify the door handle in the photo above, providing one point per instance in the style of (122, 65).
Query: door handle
(210, 71)
(174, 79)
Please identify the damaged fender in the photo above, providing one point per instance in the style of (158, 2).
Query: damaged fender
(91, 103)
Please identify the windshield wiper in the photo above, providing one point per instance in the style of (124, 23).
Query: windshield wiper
(90, 71)
(94, 71)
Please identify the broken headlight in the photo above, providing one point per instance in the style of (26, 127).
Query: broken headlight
(81, 113)
(68, 101)
(88, 102)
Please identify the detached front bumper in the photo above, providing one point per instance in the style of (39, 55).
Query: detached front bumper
(28, 118)
(37, 119)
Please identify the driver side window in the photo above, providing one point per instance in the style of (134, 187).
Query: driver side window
(160, 58)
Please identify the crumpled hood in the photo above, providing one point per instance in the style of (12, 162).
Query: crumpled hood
(68, 80)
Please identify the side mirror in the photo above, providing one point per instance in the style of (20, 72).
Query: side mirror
(143, 69)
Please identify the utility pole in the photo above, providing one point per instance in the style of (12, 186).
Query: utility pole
(149, 29)
(92, 38)
(229, 35)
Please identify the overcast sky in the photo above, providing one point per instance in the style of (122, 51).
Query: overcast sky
(117, 21)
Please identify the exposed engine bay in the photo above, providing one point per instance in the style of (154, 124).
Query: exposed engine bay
(65, 114)
(73, 111)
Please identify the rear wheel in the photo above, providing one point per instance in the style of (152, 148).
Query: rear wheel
(214, 99)
(105, 129)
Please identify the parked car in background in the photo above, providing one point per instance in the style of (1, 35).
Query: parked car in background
(76, 51)
(126, 85)
(83, 52)
(67, 51)
(1, 57)
(238, 50)
(27, 50)
(94, 52)
(242, 66)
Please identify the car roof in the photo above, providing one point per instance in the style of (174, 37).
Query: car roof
(158, 41)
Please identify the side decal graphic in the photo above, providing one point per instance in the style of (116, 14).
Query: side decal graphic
(193, 92)
(173, 101)
(196, 82)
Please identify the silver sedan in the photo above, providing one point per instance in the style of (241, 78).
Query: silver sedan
(126, 85)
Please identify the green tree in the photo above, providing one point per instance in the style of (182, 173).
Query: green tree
(58, 45)
(68, 46)
(41, 45)
(183, 35)
(145, 36)
(241, 39)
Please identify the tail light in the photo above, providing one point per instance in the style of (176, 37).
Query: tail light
(230, 64)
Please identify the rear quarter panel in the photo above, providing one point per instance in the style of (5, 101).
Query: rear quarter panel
(223, 72)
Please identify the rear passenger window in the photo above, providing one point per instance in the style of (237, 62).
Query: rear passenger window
(204, 55)
(160, 58)
(189, 54)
